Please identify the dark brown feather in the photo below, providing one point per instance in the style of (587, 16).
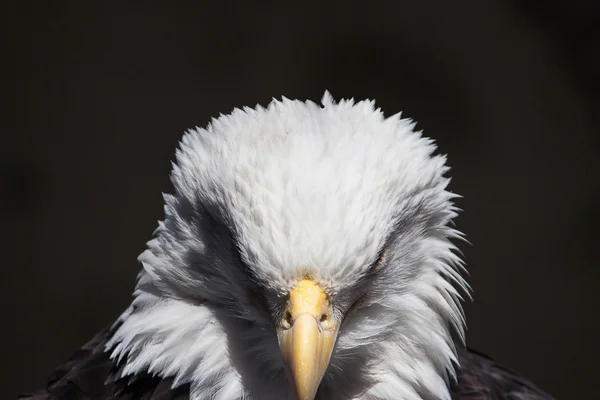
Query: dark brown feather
(90, 375)
(481, 378)
(86, 377)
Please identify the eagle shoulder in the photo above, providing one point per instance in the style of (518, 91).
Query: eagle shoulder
(482, 378)
(90, 374)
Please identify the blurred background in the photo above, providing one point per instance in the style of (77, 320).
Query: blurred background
(96, 98)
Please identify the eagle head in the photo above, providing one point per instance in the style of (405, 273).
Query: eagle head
(305, 253)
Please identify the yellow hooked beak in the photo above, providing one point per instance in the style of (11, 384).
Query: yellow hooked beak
(307, 336)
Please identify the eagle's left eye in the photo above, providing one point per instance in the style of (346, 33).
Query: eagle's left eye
(378, 261)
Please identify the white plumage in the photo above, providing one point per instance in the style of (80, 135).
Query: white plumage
(266, 197)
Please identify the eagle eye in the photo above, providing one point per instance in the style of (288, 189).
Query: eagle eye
(378, 261)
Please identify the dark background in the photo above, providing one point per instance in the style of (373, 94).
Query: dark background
(97, 97)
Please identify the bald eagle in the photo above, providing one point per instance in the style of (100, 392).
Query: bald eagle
(306, 253)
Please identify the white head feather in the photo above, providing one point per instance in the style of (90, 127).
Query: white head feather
(265, 197)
